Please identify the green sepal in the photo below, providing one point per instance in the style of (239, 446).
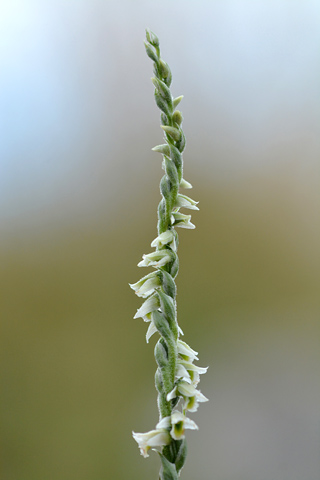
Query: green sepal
(151, 52)
(181, 454)
(152, 38)
(172, 132)
(176, 101)
(162, 223)
(176, 157)
(165, 188)
(172, 172)
(168, 308)
(168, 285)
(168, 470)
(161, 355)
(163, 328)
(163, 405)
(174, 267)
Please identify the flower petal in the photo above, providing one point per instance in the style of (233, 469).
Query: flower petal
(150, 305)
(184, 349)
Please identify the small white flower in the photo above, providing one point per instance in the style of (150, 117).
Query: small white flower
(192, 396)
(153, 439)
(180, 220)
(186, 202)
(150, 305)
(144, 287)
(182, 373)
(191, 403)
(165, 238)
(186, 351)
(179, 423)
(189, 372)
(155, 259)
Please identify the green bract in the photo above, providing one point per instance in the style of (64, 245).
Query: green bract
(176, 377)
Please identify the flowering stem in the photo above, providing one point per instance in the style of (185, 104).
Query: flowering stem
(176, 376)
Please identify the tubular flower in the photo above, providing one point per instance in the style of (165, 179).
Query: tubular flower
(146, 285)
(153, 439)
(176, 376)
(155, 259)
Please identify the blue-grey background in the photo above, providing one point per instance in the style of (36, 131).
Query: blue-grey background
(78, 198)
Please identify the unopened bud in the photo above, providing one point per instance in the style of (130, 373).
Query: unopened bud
(172, 132)
(177, 117)
(152, 38)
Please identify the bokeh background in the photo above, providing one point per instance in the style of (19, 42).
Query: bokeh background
(78, 198)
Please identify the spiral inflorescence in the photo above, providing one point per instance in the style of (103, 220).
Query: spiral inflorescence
(176, 377)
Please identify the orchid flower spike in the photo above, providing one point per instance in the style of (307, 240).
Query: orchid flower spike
(176, 377)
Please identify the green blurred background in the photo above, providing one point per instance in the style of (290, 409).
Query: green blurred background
(78, 198)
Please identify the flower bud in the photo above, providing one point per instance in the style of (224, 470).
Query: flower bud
(152, 38)
(164, 149)
(172, 132)
(151, 52)
(177, 117)
(176, 101)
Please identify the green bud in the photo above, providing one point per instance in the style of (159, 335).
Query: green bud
(165, 72)
(163, 90)
(177, 117)
(181, 143)
(152, 38)
(164, 69)
(151, 52)
(173, 132)
(164, 149)
(162, 103)
(177, 100)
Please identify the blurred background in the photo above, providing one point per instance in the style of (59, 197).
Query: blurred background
(78, 198)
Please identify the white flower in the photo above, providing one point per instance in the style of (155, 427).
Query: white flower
(165, 238)
(186, 351)
(153, 439)
(179, 423)
(146, 286)
(180, 220)
(186, 202)
(155, 259)
(192, 396)
(189, 372)
(150, 305)
(191, 403)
